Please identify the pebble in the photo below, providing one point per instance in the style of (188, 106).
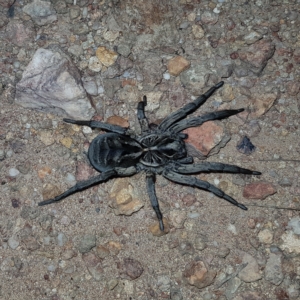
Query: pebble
(86, 243)
(294, 223)
(13, 172)
(61, 239)
(13, 243)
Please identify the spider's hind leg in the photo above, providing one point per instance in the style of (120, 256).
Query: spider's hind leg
(204, 185)
(154, 202)
(213, 167)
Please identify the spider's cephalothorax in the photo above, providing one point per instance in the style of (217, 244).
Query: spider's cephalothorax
(161, 150)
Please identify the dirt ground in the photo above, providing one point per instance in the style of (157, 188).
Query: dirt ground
(86, 247)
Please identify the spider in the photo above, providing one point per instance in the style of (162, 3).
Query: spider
(160, 150)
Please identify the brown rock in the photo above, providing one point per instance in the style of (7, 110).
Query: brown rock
(106, 56)
(262, 103)
(205, 137)
(114, 247)
(257, 55)
(177, 64)
(258, 190)
(50, 191)
(42, 173)
(197, 274)
(130, 268)
(155, 230)
(116, 120)
(125, 198)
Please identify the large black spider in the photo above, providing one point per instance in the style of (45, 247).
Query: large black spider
(161, 150)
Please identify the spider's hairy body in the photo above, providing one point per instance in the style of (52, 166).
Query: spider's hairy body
(159, 150)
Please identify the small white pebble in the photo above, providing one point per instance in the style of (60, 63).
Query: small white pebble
(232, 229)
(216, 181)
(13, 172)
(167, 76)
(87, 130)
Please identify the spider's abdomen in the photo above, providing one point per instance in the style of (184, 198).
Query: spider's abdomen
(110, 150)
(160, 149)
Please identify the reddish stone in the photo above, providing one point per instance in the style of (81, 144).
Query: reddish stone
(205, 137)
(234, 55)
(258, 190)
(257, 55)
(130, 268)
(116, 120)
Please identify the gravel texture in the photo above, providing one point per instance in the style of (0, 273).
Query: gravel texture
(59, 57)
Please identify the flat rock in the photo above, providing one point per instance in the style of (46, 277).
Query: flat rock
(257, 55)
(41, 12)
(197, 274)
(258, 190)
(52, 84)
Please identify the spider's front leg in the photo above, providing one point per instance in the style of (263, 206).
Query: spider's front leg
(141, 115)
(100, 125)
(188, 108)
(154, 202)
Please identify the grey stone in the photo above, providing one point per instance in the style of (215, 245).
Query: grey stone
(273, 270)
(87, 242)
(76, 50)
(41, 12)
(51, 83)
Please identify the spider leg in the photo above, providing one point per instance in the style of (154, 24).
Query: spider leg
(212, 167)
(199, 120)
(100, 125)
(141, 115)
(204, 185)
(152, 195)
(79, 186)
(188, 108)
(82, 185)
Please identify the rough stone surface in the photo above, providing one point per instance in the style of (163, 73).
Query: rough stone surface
(42, 12)
(258, 190)
(126, 201)
(251, 272)
(177, 64)
(205, 137)
(51, 83)
(257, 55)
(198, 275)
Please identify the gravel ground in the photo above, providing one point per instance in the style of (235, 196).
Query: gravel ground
(104, 242)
